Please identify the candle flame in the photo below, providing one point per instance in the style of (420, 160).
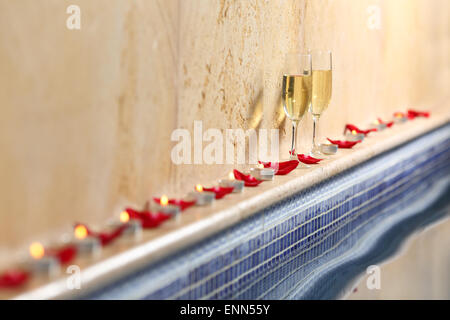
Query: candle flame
(231, 176)
(199, 188)
(80, 232)
(260, 166)
(354, 132)
(124, 217)
(164, 200)
(398, 115)
(37, 250)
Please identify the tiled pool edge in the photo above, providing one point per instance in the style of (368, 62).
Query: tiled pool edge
(187, 283)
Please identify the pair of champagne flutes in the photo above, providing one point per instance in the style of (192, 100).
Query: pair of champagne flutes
(307, 81)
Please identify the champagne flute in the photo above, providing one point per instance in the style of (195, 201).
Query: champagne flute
(296, 92)
(321, 91)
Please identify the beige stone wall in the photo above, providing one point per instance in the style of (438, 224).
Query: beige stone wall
(86, 116)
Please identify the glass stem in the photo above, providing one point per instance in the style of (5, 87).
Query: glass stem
(294, 137)
(315, 124)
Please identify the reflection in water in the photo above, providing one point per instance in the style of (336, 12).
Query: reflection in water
(335, 285)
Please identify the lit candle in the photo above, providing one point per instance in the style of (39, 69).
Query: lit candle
(41, 264)
(84, 243)
(124, 217)
(328, 148)
(354, 136)
(379, 126)
(262, 173)
(201, 197)
(237, 185)
(165, 207)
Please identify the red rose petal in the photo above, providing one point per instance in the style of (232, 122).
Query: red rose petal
(414, 113)
(148, 219)
(249, 180)
(220, 192)
(281, 168)
(308, 159)
(64, 254)
(344, 144)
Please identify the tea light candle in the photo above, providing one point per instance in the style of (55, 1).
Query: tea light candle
(400, 117)
(84, 243)
(328, 148)
(262, 173)
(165, 207)
(201, 197)
(354, 136)
(237, 185)
(134, 227)
(379, 126)
(39, 263)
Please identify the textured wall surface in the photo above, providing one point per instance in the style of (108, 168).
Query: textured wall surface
(87, 115)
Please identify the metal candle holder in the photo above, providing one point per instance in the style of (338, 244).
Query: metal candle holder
(328, 149)
(202, 198)
(88, 245)
(266, 174)
(355, 137)
(48, 266)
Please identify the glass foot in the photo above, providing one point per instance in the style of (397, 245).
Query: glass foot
(301, 165)
(315, 152)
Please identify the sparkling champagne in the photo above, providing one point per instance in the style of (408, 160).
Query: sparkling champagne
(296, 95)
(321, 91)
